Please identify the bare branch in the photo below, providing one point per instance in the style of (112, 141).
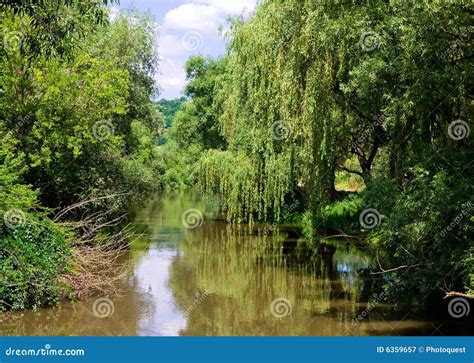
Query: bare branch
(84, 203)
(460, 294)
(382, 270)
(342, 167)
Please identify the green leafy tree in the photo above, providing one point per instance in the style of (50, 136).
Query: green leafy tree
(77, 121)
(169, 108)
(312, 86)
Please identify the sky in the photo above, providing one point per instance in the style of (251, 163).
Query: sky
(186, 28)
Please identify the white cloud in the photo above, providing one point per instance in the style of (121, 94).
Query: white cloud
(205, 15)
(229, 7)
(201, 19)
(172, 78)
(114, 12)
(171, 46)
(197, 17)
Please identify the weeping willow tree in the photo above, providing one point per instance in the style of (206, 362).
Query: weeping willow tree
(379, 89)
(278, 131)
(311, 84)
(286, 126)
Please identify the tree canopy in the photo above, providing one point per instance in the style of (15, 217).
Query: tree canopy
(77, 122)
(311, 91)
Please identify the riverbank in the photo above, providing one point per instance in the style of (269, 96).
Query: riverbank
(223, 279)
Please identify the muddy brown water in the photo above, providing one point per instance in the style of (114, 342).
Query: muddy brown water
(221, 280)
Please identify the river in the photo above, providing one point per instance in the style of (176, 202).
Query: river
(221, 280)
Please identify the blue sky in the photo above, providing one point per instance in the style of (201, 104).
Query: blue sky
(187, 27)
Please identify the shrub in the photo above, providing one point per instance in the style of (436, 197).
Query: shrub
(341, 215)
(33, 257)
(428, 227)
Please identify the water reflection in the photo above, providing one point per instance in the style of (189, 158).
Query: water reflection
(221, 279)
(152, 275)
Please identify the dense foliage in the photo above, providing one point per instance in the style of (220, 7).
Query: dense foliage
(311, 92)
(357, 113)
(195, 126)
(169, 108)
(77, 122)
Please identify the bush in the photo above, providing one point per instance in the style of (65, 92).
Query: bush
(33, 256)
(34, 251)
(427, 226)
(172, 180)
(341, 215)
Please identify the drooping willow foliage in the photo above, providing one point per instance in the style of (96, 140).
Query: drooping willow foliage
(246, 190)
(370, 80)
(270, 118)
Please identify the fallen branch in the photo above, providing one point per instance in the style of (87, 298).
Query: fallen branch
(97, 251)
(394, 269)
(83, 203)
(341, 235)
(382, 270)
(458, 294)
